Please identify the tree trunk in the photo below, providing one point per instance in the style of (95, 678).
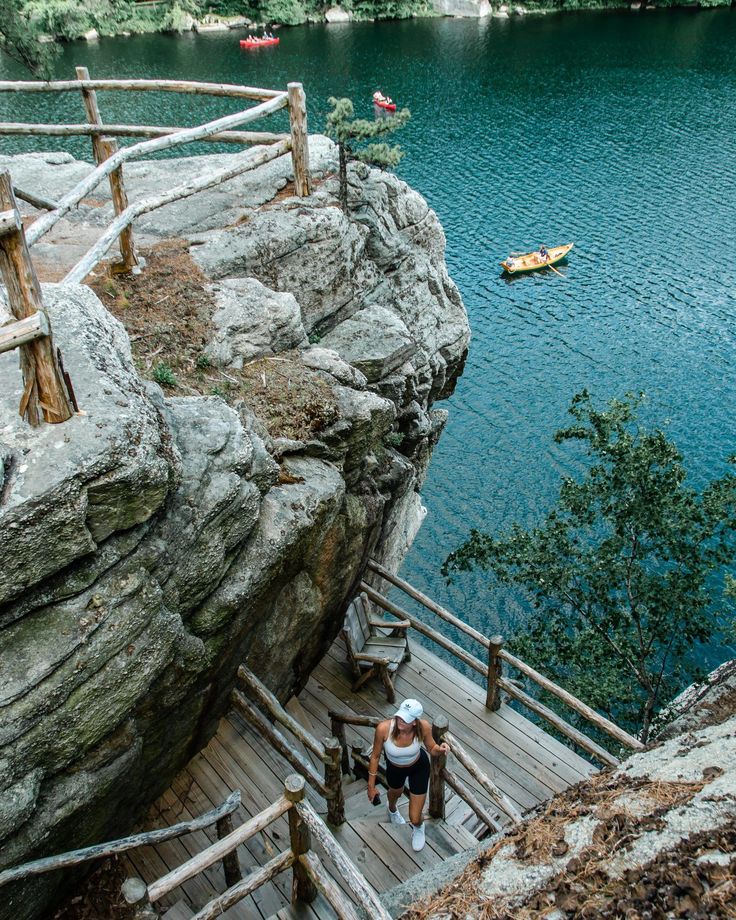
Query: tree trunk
(343, 178)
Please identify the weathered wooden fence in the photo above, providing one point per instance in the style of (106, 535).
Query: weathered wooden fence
(47, 392)
(328, 751)
(310, 875)
(491, 669)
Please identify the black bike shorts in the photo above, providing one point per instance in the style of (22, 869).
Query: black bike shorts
(417, 773)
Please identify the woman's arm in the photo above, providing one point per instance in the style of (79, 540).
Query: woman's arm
(378, 739)
(433, 749)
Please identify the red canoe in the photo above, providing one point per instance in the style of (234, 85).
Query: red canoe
(383, 104)
(258, 42)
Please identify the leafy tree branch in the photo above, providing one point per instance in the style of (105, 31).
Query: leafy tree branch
(622, 572)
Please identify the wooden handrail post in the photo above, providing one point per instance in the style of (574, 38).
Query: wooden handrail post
(135, 895)
(44, 389)
(131, 262)
(493, 696)
(437, 768)
(299, 139)
(338, 731)
(302, 888)
(333, 781)
(103, 148)
(359, 767)
(89, 98)
(230, 862)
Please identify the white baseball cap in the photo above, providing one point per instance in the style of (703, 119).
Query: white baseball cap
(409, 711)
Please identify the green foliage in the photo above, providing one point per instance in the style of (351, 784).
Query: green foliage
(203, 362)
(348, 131)
(385, 9)
(164, 375)
(621, 572)
(286, 12)
(394, 439)
(70, 19)
(19, 40)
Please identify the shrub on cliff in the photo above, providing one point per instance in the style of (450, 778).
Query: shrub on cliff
(622, 573)
(348, 131)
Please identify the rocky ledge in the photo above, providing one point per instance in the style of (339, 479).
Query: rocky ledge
(156, 540)
(655, 838)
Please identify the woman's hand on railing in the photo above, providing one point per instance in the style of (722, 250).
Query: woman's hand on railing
(438, 749)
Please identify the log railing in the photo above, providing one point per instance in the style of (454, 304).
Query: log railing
(491, 669)
(310, 876)
(328, 751)
(114, 847)
(47, 390)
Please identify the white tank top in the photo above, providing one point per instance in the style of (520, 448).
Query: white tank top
(400, 756)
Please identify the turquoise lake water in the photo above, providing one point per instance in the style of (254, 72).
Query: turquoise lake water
(613, 130)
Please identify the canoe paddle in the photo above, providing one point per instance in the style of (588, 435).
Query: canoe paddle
(555, 271)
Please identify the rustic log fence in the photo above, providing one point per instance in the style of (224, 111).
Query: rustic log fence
(328, 751)
(47, 392)
(491, 669)
(309, 874)
(114, 847)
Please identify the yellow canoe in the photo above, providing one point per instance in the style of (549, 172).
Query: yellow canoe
(533, 261)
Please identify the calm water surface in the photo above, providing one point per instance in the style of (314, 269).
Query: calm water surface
(617, 131)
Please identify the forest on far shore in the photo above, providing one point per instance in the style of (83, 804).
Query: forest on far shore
(69, 19)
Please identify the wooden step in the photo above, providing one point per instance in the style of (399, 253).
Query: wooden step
(180, 911)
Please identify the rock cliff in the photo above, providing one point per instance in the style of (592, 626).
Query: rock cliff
(156, 540)
(655, 838)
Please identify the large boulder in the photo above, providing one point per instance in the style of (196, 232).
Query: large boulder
(251, 320)
(153, 542)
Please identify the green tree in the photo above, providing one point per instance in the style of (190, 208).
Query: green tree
(19, 40)
(348, 131)
(622, 570)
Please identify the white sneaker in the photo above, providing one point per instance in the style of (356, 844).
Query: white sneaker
(417, 837)
(394, 817)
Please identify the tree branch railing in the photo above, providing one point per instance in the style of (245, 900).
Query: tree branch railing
(498, 654)
(126, 217)
(144, 148)
(327, 751)
(310, 876)
(491, 669)
(113, 847)
(47, 391)
(162, 137)
(85, 129)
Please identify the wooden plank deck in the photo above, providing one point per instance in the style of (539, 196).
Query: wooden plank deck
(525, 762)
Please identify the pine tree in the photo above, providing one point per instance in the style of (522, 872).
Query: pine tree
(347, 131)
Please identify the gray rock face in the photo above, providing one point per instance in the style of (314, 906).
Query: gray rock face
(648, 834)
(374, 340)
(251, 321)
(466, 9)
(151, 544)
